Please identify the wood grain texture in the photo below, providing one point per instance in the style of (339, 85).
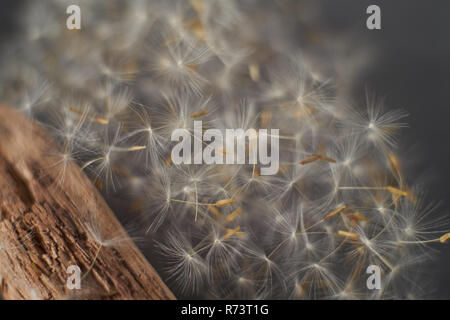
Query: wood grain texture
(48, 224)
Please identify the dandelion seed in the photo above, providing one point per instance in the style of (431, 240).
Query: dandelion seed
(266, 116)
(326, 158)
(396, 191)
(186, 268)
(101, 120)
(338, 203)
(309, 160)
(253, 70)
(232, 232)
(358, 217)
(393, 190)
(178, 63)
(216, 212)
(442, 239)
(395, 163)
(380, 128)
(127, 149)
(224, 202)
(198, 5)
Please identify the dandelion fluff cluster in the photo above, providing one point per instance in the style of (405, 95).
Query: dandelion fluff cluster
(113, 92)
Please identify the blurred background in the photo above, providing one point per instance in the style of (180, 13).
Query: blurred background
(411, 70)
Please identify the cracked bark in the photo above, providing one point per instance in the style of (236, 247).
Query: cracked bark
(46, 225)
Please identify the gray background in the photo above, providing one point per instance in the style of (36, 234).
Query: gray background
(412, 71)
